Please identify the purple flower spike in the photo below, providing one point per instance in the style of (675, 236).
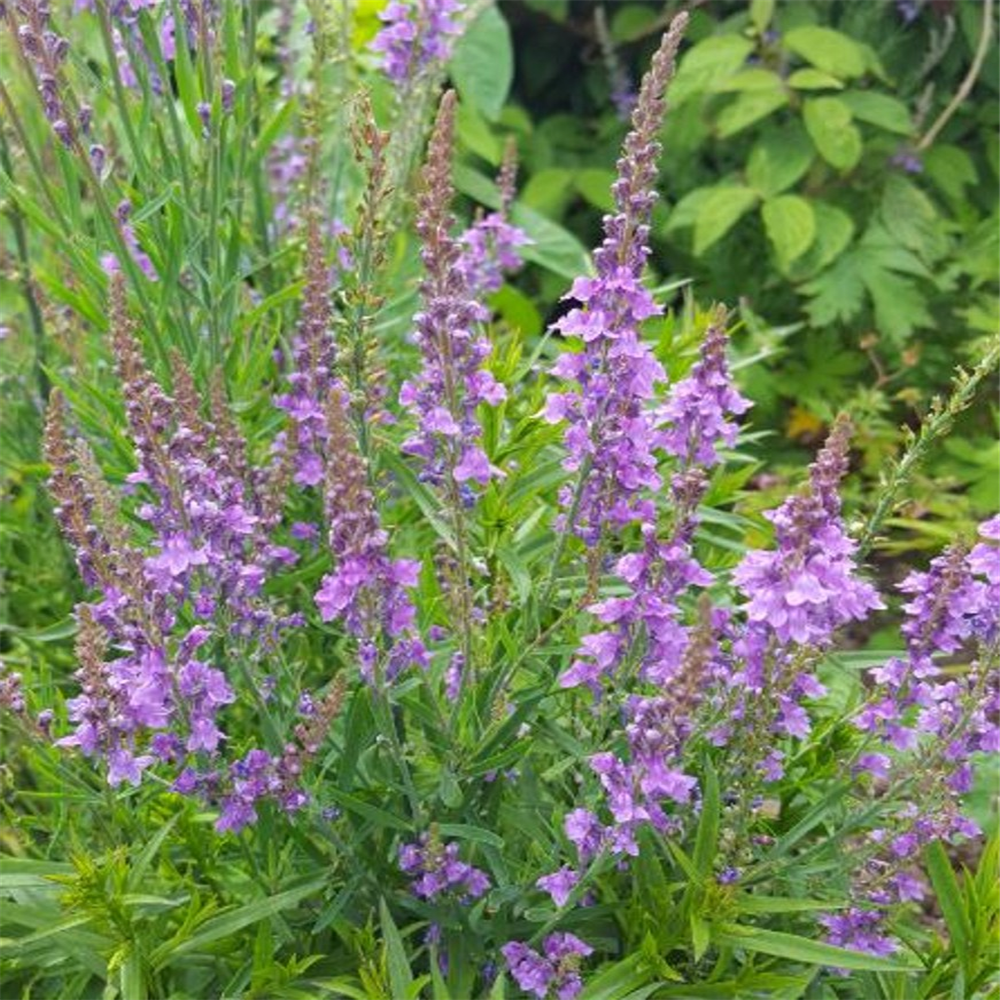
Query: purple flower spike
(417, 35)
(610, 436)
(452, 381)
(436, 871)
(554, 973)
(366, 589)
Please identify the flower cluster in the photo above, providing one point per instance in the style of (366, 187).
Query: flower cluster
(452, 381)
(172, 612)
(128, 42)
(695, 419)
(553, 973)
(417, 34)
(366, 588)
(490, 246)
(45, 51)
(807, 587)
(610, 436)
(110, 263)
(311, 373)
(932, 726)
(691, 425)
(436, 871)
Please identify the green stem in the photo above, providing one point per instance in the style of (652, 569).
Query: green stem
(936, 425)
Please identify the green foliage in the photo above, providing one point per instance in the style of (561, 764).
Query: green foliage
(779, 185)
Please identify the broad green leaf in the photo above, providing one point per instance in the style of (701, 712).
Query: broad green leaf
(475, 135)
(813, 79)
(828, 121)
(828, 50)
(631, 21)
(552, 246)
(754, 78)
(900, 306)
(685, 213)
(834, 231)
(778, 159)
(790, 225)
(747, 109)
(707, 62)
(761, 12)
(879, 109)
(595, 185)
(911, 219)
(476, 185)
(482, 63)
(800, 949)
(548, 191)
(400, 976)
(951, 169)
(720, 211)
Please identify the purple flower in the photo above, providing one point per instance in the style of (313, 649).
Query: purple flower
(807, 587)
(859, 930)
(559, 884)
(417, 35)
(436, 870)
(610, 435)
(366, 589)
(452, 382)
(556, 972)
(698, 408)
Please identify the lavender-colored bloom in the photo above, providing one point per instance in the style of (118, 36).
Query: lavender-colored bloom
(311, 378)
(698, 408)
(694, 420)
(366, 589)
(45, 52)
(908, 161)
(556, 972)
(610, 436)
(859, 930)
(210, 517)
(807, 587)
(435, 870)
(110, 263)
(452, 381)
(559, 884)
(417, 35)
(490, 246)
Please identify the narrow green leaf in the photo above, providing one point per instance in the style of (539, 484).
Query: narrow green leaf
(800, 949)
(707, 839)
(400, 976)
(227, 924)
(949, 898)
